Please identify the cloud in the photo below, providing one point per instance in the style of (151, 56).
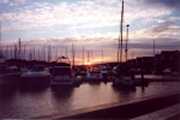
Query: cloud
(94, 23)
(168, 3)
(166, 29)
(79, 15)
(13, 2)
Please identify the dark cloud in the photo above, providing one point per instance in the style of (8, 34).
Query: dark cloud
(161, 43)
(173, 46)
(167, 28)
(162, 27)
(169, 3)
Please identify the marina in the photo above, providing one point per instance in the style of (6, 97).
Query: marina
(89, 59)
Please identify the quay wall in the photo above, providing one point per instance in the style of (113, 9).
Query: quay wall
(126, 110)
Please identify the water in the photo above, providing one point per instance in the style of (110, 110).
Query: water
(27, 103)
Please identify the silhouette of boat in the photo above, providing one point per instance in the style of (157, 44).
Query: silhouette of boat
(97, 74)
(93, 76)
(124, 82)
(62, 74)
(9, 75)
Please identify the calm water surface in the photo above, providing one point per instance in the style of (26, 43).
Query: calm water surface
(18, 103)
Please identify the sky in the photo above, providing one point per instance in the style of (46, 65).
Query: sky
(93, 24)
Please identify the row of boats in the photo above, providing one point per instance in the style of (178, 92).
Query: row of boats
(60, 76)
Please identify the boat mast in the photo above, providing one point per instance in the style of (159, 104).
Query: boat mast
(120, 40)
(15, 51)
(102, 56)
(34, 53)
(154, 48)
(73, 56)
(49, 53)
(154, 53)
(0, 39)
(24, 52)
(83, 56)
(122, 16)
(88, 56)
(127, 39)
(66, 51)
(19, 48)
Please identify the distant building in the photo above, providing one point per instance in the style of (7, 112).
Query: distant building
(165, 60)
(168, 60)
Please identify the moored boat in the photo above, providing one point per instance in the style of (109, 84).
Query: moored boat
(124, 82)
(9, 75)
(62, 76)
(35, 76)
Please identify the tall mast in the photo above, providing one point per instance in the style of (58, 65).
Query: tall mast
(49, 53)
(120, 40)
(66, 51)
(15, 52)
(73, 56)
(24, 52)
(122, 18)
(0, 39)
(102, 55)
(19, 48)
(0, 32)
(11, 54)
(38, 54)
(88, 56)
(92, 54)
(30, 54)
(154, 47)
(56, 53)
(44, 53)
(127, 38)
(33, 52)
(83, 56)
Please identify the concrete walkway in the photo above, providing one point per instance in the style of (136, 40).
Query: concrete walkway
(136, 110)
(169, 113)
